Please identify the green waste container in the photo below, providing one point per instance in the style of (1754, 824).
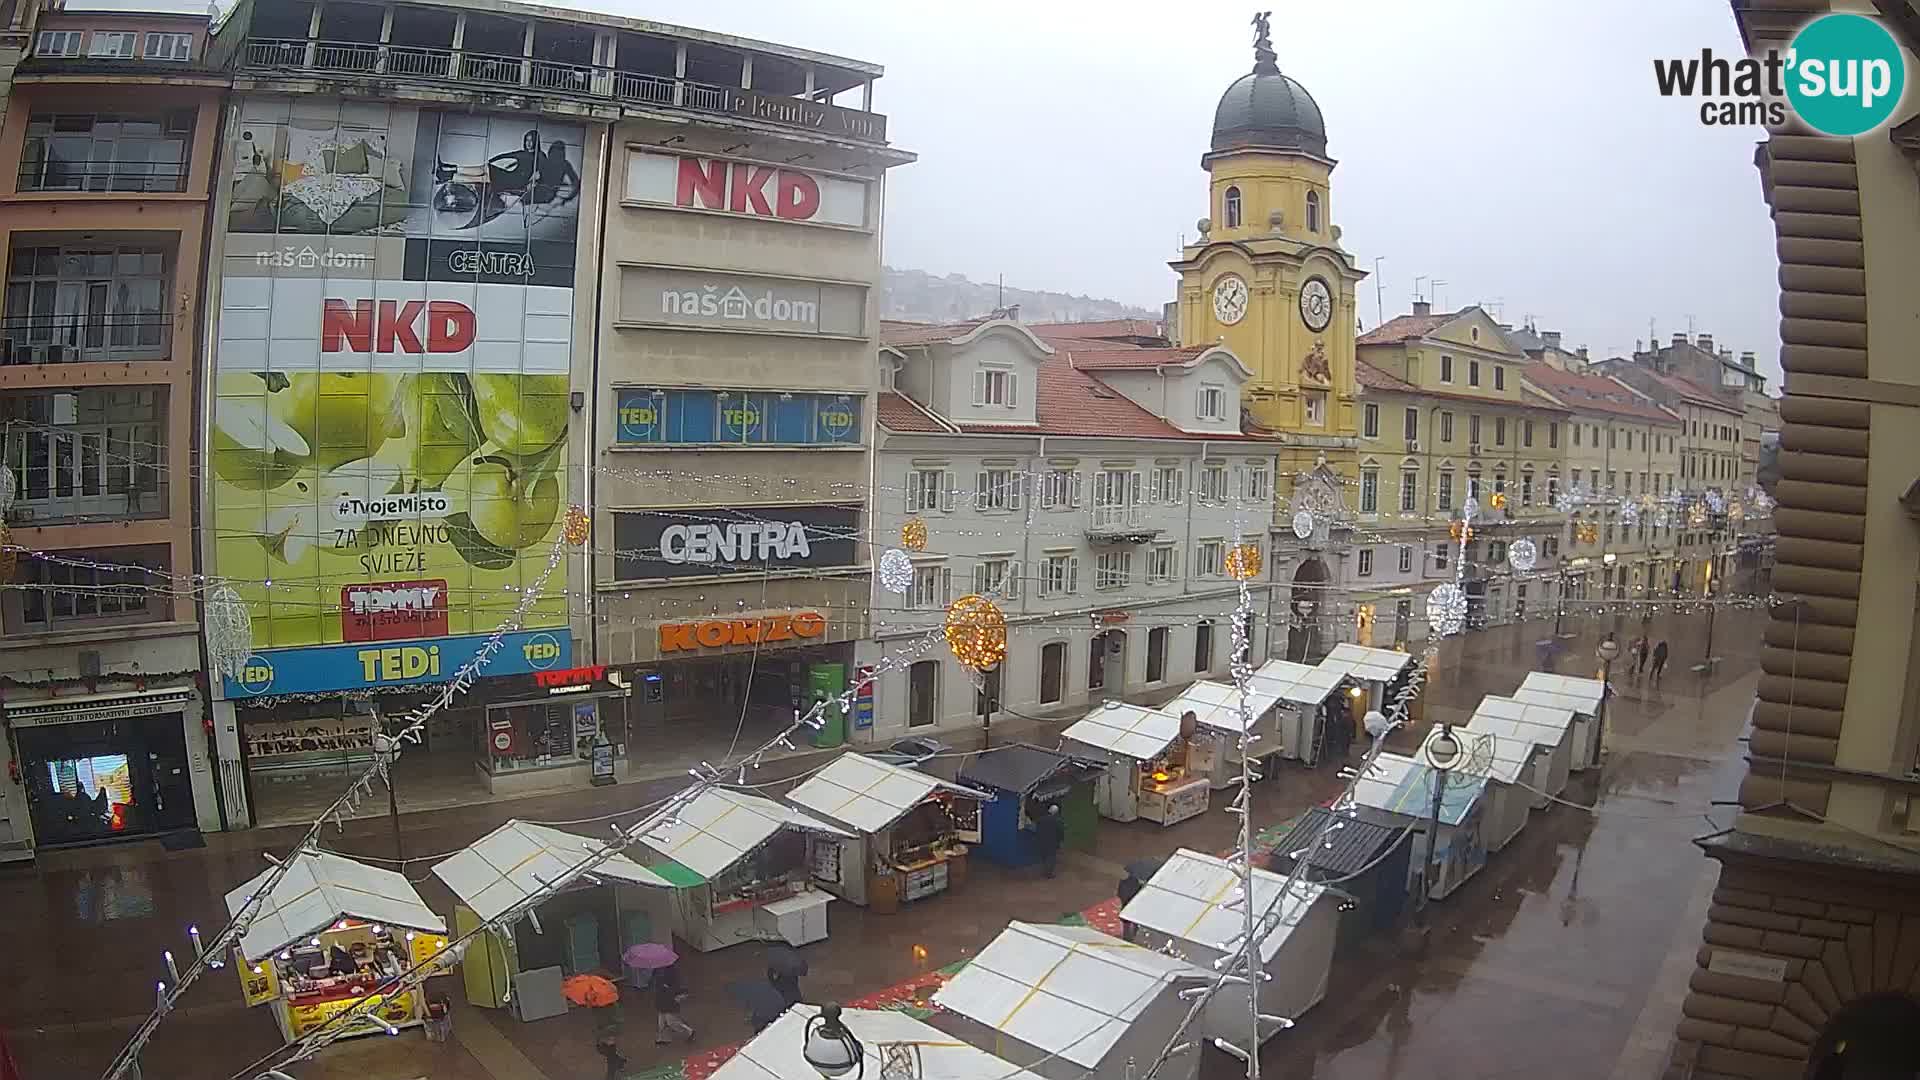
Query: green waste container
(826, 682)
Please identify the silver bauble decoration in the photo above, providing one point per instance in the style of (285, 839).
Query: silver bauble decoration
(1446, 609)
(1303, 524)
(229, 632)
(895, 571)
(1522, 554)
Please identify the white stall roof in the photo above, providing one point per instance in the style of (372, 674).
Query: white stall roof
(1067, 990)
(519, 858)
(775, 1053)
(1362, 662)
(1217, 705)
(1561, 691)
(1401, 785)
(1301, 684)
(1544, 724)
(1133, 731)
(868, 795)
(321, 888)
(1501, 758)
(1187, 898)
(719, 827)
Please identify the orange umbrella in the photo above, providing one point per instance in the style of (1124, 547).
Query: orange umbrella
(592, 991)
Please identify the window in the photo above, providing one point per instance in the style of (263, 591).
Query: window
(654, 416)
(1210, 558)
(1409, 490)
(1157, 653)
(1412, 425)
(1526, 487)
(1445, 500)
(1203, 646)
(1406, 558)
(1053, 667)
(1576, 434)
(1526, 433)
(1370, 421)
(1313, 211)
(1628, 480)
(68, 304)
(1613, 439)
(1446, 368)
(1499, 377)
(1213, 483)
(86, 453)
(54, 43)
(995, 386)
(1440, 556)
(1116, 497)
(1499, 431)
(1256, 483)
(1500, 480)
(54, 595)
(1231, 212)
(1473, 372)
(1168, 485)
(1369, 491)
(112, 45)
(1473, 429)
(1593, 435)
(1113, 570)
(1366, 562)
(1553, 488)
(997, 575)
(1497, 551)
(1552, 547)
(932, 589)
(986, 696)
(1060, 575)
(1473, 482)
(175, 47)
(1446, 427)
(928, 491)
(1316, 402)
(1060, 489)
(923, 682)
(996, 489)
(1610, 483)
(1213, 402)
(1553, 436)
(1163, 563)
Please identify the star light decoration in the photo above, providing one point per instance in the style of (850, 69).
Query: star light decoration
(895, 571)
(1629, 515)
(1244, 562)
(1589, 533)
(1447, 609)
(229, 632)
(1522, 554)
(1697, 516)
(579, 527)
(1716, 502)
(976, 632)
(913, 535)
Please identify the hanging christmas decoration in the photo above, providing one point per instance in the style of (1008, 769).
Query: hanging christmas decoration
(1470, 508)
(1697, 516)
(1660, 519)
(1522, 554)
(1630, 515)
(1716, 503)
(1498, 500)
(895, 571)
(976, 632)
(1244, 562)
(1589, 533)
(579, 528)
(7, 489)
(1446, 609)
(1647, 501)
(9, 553)
(1303, 524)
(229, 632)
(1564, 502)
(1460, 531)
(1735, 511)
(1762, 503)
(913, 535)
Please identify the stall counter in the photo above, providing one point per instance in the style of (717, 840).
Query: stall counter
(1174, 801)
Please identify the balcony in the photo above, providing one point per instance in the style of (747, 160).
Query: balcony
(1119, 523)
(105, 152)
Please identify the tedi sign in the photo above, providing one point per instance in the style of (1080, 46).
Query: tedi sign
(751, 188)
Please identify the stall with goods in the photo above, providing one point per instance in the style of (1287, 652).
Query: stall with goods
(1149, 772)
(908, 831)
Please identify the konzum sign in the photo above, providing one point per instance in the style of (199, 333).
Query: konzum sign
(720, 633)
(747, 188)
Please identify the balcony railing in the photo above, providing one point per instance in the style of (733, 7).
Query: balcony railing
(122, 176)
(545, 76)
(82, 339)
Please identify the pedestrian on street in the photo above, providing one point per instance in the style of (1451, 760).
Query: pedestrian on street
(1659, 659)
(1048, 834)
(1130, 887)
(608, 1048)
(1636, 656)
(668, 994)
(787, 982)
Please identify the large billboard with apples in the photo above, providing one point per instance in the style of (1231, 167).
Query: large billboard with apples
(391, 388)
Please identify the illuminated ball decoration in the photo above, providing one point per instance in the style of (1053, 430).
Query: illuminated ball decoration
(579, 527)
(1522, 554)
(913, 535)
(1244, 562)
(1630, 515)
(1498, 500)
(895, 571)
(1697, 516)
(1446, 609)
(976, 632)
(1460, 531)
(1303, 524)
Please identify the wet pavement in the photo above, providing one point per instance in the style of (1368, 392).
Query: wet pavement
(1556, 959)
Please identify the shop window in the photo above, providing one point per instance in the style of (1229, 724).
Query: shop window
(1106, 644)
(732, 418)
(1053, 669)
(923, 685)
(1203, 646)
(1157, 653)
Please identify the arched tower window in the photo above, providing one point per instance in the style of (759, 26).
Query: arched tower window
(1232, 209)
(1313, 211)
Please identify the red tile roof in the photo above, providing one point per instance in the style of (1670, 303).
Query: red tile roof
(1070, 402)
(900, 413)
(1100, 328)
(1594, 393)
(1374, 379)
(1405, 328)
(1114, 357)
(1689, 390)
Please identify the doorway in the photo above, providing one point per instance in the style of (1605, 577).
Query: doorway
(1309, 588)
(1053, 665)
(106, 779)
(923, 689)
(1107, 661)
(1870, 1039)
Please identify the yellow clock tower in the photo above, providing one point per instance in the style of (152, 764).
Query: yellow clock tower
(1267, 276)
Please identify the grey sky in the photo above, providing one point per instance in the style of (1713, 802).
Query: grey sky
(1514, 148)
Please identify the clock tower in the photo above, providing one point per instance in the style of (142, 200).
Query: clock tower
(1267, 276)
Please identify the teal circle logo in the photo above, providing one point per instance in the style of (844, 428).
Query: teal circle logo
(1845, 74)
(256, 675)
(542, 651)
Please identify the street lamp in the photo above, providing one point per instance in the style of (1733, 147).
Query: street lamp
(1442, 752)
(830, 1048)
(1608, 652)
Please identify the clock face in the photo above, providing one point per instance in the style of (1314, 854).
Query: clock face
(1230, 299)
(1316, 304)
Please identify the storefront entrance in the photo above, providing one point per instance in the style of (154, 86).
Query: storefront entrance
(95, 780)
(702, 705)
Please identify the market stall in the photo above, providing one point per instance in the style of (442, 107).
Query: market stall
(1306, 700)
(1368, 861)
(330, 933)
(910, 831)
(1149, 774)
(1580, 697)
(1214, 750)
(1193, 904)
(778, 1052)
(1024, 780)
(1504, 763)
(1371, 678)
(1398, 792)
(1071, 1002)
(1547, 727)
(741, 863)
(584, 927)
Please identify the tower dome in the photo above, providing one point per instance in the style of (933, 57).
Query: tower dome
(1267, 109)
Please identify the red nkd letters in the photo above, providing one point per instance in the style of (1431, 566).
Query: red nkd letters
(740, 188)
(396, 326)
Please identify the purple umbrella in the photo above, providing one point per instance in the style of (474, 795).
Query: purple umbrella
(649, 955)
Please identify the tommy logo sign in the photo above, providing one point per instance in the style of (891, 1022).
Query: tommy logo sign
(386, 326)
(753, 189)
(393, 611)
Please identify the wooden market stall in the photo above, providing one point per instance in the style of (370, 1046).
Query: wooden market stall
(778, 1051)
(1192, 903)
(1371, 679)
(1214, 749)
(741, 862)
(910, 831)
(1582, 698)
(1368, 861)
(1149, 773)
(1070, 1002)
(1024, 780)
(330, 933)
(1505, 763)
(1306, 702)
(1547, 727)
(584, 926)
(1398, 792)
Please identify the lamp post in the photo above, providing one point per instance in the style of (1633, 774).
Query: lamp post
(830, 1048)
(1441, 752)
(989, 692)
(1609, 650)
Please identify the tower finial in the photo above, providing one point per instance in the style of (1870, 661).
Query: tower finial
(1265, 60)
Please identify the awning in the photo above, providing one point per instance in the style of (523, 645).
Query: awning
(518, 859)
(868, 795)
(1132, 731)
(720, 827)
(1361, 662)
(321, 888)
(1403, 786)
(1188, 899)
(1018, 767)
(777, 1052)
(1300, 684)
(1561, 691)
(1217, 705)
(75, 708)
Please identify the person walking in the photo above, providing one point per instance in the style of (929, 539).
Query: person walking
(1659, 659)
(786, 982)
(1048, 834)
(1130, 887)
(609, 1049)
(1636, 656)
(668, 994)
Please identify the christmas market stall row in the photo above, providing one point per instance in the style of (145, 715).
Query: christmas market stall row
(1150, 760)
(905, 832)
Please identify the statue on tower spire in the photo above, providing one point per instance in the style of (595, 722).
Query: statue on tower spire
(1265, 60)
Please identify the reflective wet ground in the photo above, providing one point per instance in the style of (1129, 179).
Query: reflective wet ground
(1566, 956)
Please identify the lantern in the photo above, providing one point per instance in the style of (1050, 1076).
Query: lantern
(976, 632)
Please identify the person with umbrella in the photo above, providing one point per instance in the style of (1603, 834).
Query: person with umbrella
(1048, 834)
(785, 965)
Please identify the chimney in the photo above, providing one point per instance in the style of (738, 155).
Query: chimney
(1705, 341)
(1552, 338)
(1583, 354)
(1679, 339)
(1747, 360)
(1423, 307)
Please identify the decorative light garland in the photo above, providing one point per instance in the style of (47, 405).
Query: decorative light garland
(976, 631)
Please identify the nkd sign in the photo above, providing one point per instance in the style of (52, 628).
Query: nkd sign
(752, 189)
(658, 296)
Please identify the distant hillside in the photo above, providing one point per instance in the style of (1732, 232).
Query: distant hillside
(917, 296)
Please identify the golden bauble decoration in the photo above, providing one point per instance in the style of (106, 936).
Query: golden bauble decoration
(579, 527)
(913, 535)
(1244, 562)
(1499, 500)
(976, 632)
(1460, 531)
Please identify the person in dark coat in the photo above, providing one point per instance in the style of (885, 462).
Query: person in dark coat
(607, 1048)
(1130, 887)
(1659, 660)
(1048, 834)
(787, 983)
(668, 993)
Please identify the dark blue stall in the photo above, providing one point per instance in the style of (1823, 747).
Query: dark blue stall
(1365, 860)
(1025, 779)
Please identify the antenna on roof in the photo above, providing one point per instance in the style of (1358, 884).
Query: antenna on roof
(1000, 298)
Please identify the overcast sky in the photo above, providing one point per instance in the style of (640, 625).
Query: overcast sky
(1517, 150)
